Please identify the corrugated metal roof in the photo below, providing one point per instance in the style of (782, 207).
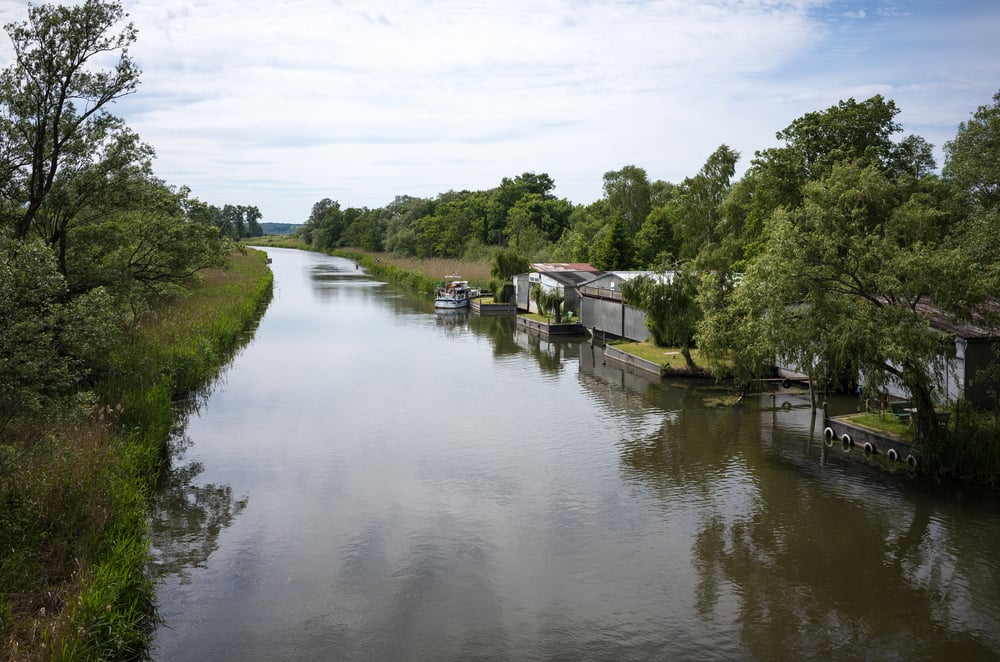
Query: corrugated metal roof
(553, 267)
(968, 329)
(573, 278)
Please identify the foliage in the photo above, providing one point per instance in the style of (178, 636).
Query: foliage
(48, 343)
(671, 307)
(700, 223)
(845, 286)
(973, 157)
(628, 193)
(507, 264)
(615, 250)
(53, 98)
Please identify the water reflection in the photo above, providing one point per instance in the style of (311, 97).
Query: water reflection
(187, 517)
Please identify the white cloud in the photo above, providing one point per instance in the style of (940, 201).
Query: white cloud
(280, 104)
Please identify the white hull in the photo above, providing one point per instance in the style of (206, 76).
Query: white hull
(451, 303)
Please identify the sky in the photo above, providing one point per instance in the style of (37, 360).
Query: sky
(282, 103)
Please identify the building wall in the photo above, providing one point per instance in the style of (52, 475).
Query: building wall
(614, 318)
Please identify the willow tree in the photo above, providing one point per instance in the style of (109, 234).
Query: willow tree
(849, 281)
(672, 310)
(54, 96)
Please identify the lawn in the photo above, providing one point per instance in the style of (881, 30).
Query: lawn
(667, 357)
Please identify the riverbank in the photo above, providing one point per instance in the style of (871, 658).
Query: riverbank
(419, 275)
(73, 506)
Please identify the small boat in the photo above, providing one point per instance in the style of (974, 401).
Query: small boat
(455, 294)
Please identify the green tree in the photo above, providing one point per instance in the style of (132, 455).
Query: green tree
(47, 342)
(149, 249)
(503, 199)
(848, 283)
(628, 192)
(850, 131)
(53, 98)
(582, 234)
(615, 251)
(672, 310)
(90, 187)
(507, 264)
(973, 157)
(700, 214)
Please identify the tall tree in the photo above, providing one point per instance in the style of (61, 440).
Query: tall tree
(973, 157)
(53, 98)
(628, 192)
(700, 205)
(614, 252)
(89, 188)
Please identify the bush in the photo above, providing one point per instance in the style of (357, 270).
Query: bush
(969, 450)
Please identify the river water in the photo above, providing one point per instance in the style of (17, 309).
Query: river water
(370, 480)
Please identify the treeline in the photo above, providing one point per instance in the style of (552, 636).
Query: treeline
(843, 251)
(91, 244)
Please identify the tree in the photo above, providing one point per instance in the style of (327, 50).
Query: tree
(973, 157)
(850, 131)
(507, 264)
(848, 283)
(672, 311)
(53, 100)
(147, 250)
(92, 186)
(45, 339)
(700, 213)
(504, 197)
(615, 250)
(628, 193)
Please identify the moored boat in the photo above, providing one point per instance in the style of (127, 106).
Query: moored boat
(454, 294)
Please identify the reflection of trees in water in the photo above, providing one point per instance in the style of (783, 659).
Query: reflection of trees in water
(187, 518)
(813, 568)
(500, 330)
(549, 353)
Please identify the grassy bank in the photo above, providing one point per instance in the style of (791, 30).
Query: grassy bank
(73, 504)
(670, 359)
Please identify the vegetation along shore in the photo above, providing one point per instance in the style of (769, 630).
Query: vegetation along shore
(844, 252)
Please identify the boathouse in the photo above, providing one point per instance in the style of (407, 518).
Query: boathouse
(565, 278)
(603, 311)
(963, 375)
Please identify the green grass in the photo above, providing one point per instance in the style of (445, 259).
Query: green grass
(547, 319)
(669, 359)
(885, 423)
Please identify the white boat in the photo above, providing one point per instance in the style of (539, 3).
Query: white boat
(455, 294)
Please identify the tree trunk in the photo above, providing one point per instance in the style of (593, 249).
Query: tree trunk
(686, 353)
(926, 420)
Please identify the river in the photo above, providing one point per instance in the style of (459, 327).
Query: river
(370, 480)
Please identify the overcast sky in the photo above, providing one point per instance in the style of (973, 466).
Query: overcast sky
(280, 103)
